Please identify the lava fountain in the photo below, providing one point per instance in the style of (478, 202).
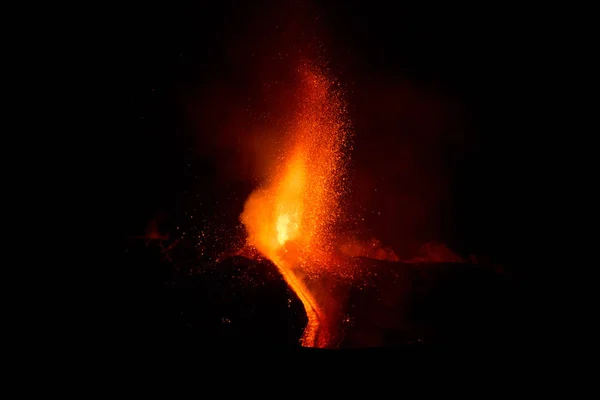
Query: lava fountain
(291, 218)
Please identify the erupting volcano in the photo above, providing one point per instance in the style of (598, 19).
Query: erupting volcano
(291, 218)
(299, 174)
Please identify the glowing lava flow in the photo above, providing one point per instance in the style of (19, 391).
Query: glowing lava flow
(291, 218)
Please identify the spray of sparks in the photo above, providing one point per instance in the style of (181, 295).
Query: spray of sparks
(291, 218)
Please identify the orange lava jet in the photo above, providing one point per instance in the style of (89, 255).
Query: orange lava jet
(291, 218)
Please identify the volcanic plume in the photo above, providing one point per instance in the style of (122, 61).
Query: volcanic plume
(291, 218)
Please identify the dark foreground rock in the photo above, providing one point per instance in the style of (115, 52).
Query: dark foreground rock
(243, 303)
(436, 303)
(237, 302)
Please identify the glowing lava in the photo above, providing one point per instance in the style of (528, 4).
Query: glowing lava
(291, 218)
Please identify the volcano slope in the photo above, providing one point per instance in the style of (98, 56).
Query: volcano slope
(244, 303)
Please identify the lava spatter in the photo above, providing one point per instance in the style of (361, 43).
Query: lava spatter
(291, 218)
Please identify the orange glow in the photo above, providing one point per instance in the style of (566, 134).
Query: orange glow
(370, 249)
(291, 218)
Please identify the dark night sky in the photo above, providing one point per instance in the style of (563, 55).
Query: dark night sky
(434, 94)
